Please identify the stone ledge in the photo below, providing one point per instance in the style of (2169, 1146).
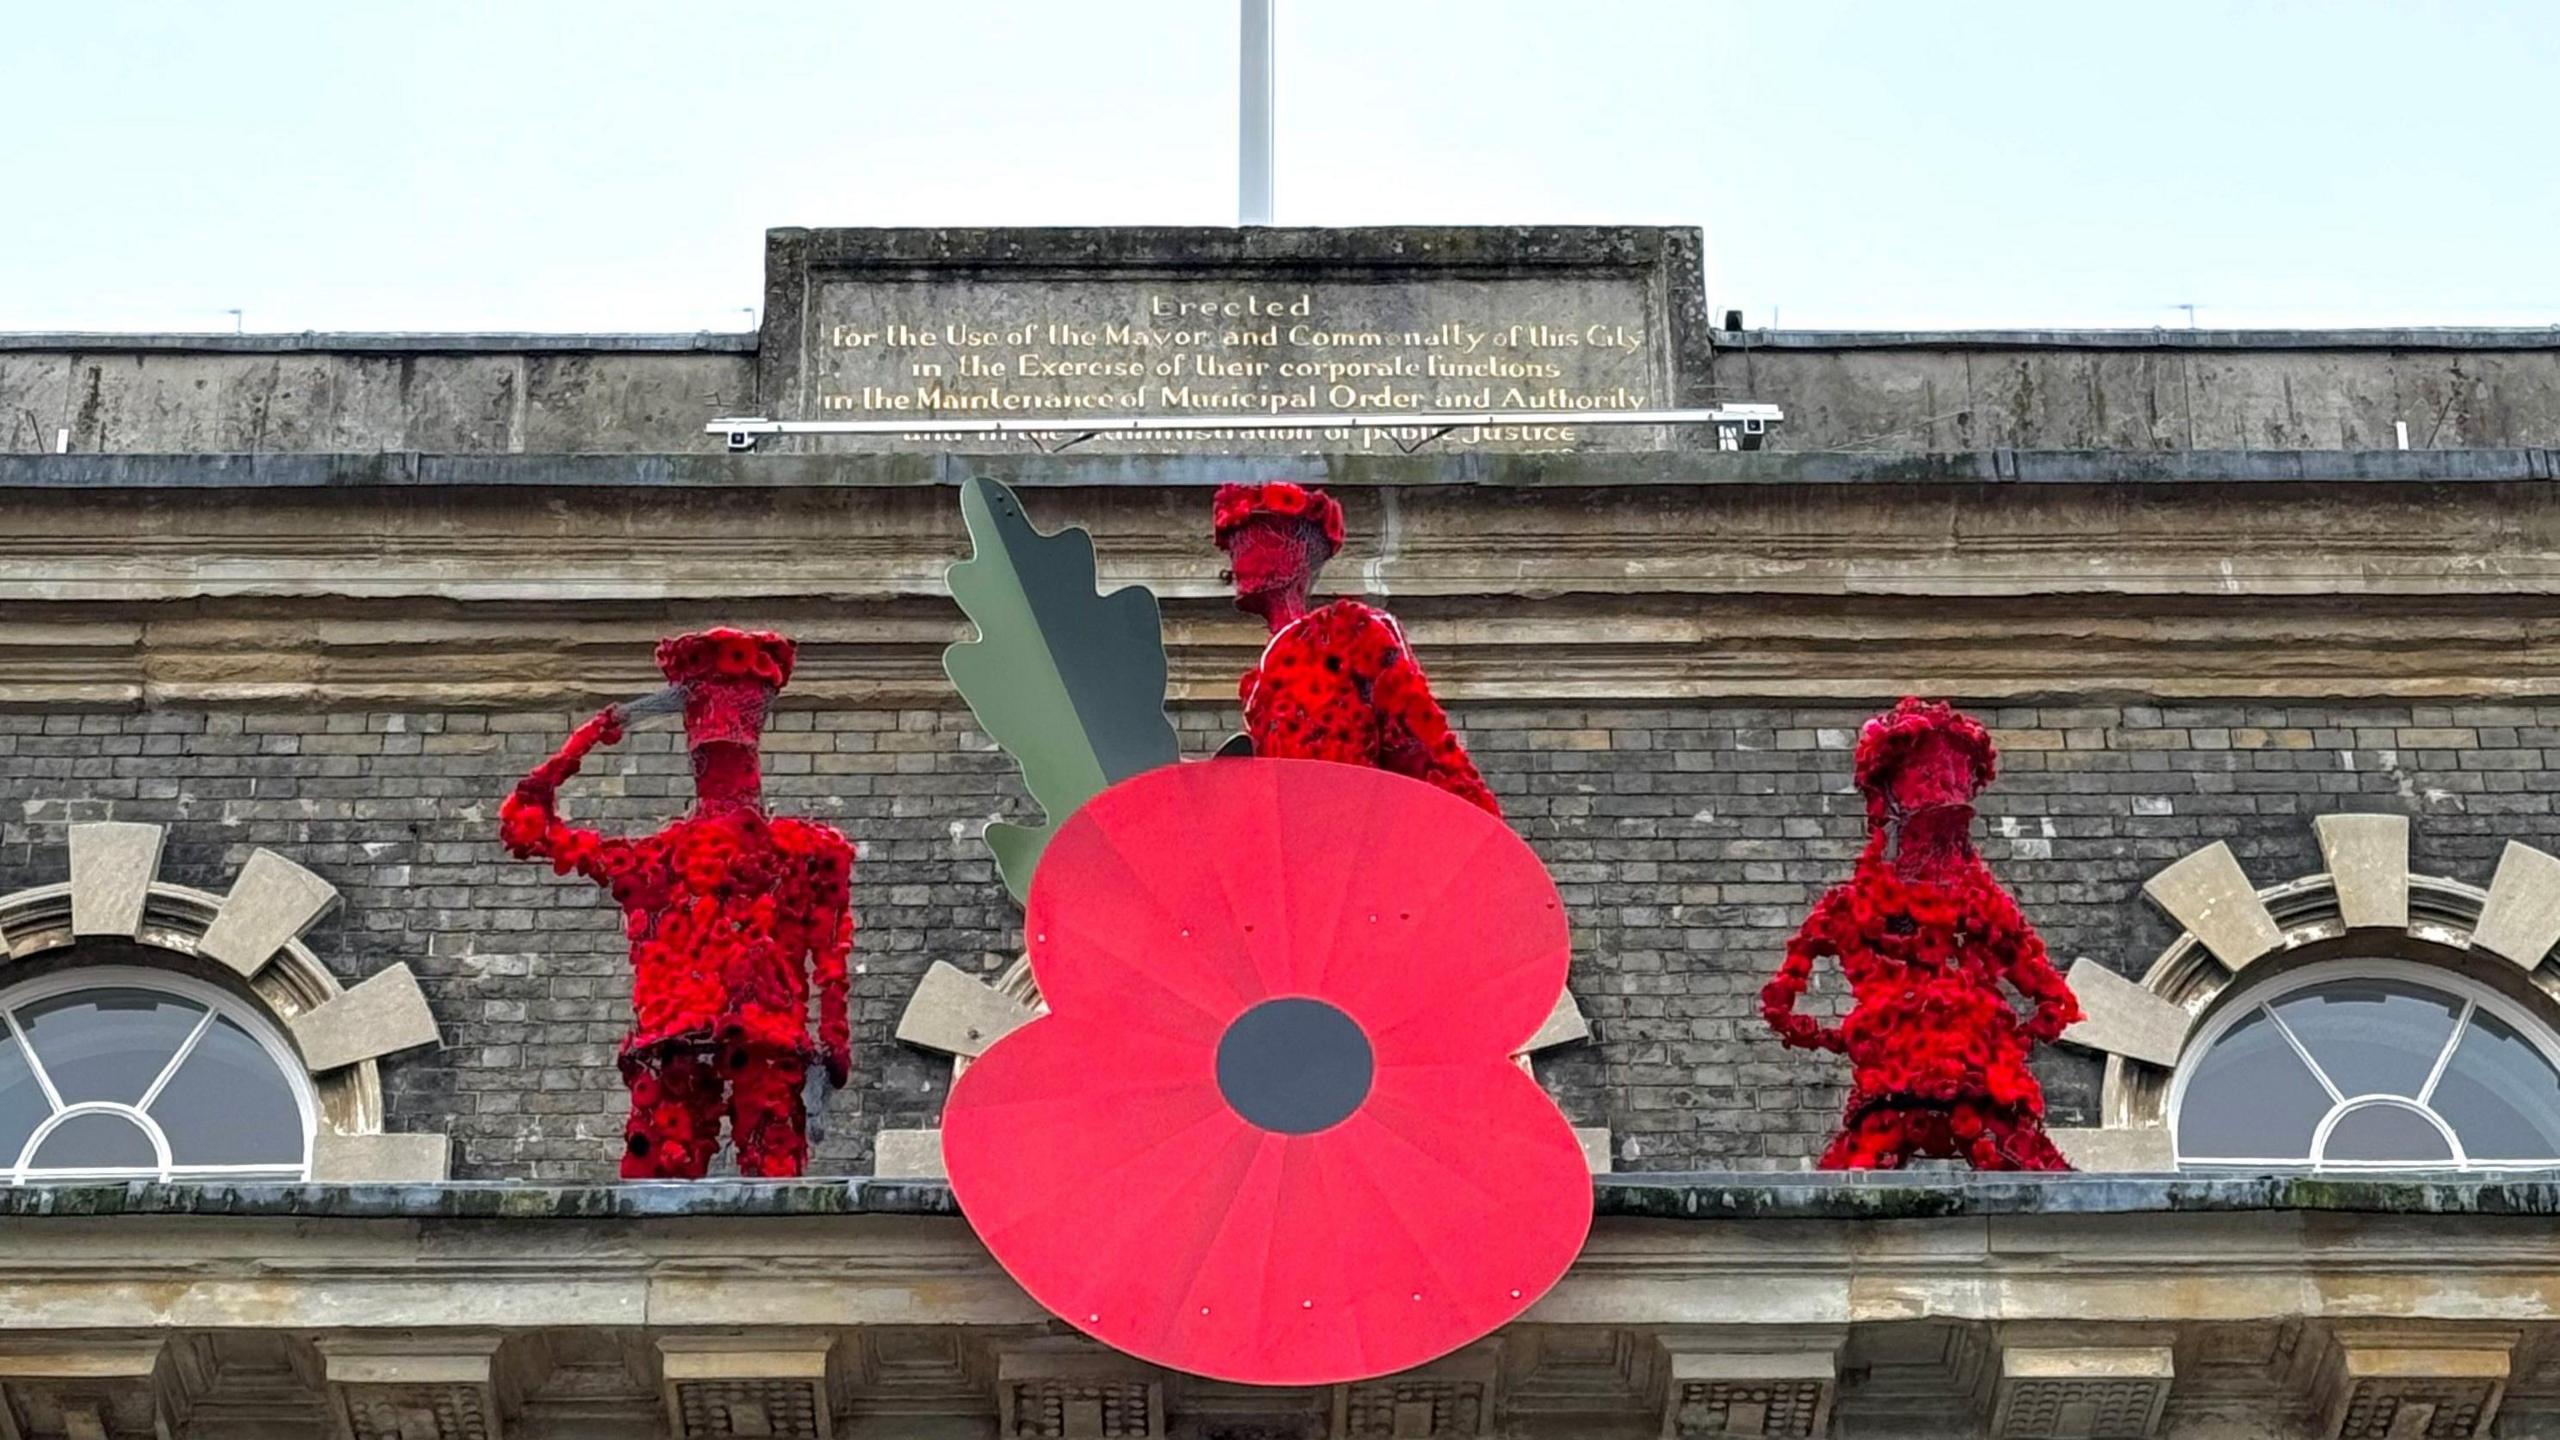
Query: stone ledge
(947, 468)
(1684, 1195)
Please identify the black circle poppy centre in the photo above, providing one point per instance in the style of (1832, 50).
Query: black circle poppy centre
(1295, 1066)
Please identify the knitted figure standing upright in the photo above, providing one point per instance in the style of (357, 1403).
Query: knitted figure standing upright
(731, 915)
(1337, 682)
(1926, 937)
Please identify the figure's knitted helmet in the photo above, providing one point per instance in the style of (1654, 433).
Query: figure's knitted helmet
(1236, 505)
(1886, 743)
(729, 677)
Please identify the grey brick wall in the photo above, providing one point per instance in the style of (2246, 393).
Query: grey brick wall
(1688, 841)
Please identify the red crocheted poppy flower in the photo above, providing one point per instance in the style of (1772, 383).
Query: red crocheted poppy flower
(1886, 739)
(1271, 1130)
(1235, 504)
(727, 654)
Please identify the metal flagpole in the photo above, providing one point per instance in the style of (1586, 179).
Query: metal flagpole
(1253, 112)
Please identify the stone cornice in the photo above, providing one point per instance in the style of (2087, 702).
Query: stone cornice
(398, 593)
(439, 654)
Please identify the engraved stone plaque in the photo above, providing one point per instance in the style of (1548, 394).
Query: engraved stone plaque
(1039, 326)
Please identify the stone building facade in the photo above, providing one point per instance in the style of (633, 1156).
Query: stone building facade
(282, 619)
(1688, 837)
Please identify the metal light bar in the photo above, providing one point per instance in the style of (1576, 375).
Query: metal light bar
(1738, 427)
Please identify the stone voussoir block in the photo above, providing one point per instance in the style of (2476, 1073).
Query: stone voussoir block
(113, 865)
(2209, 894)
(384, 1014)
(2521, 918)
(2368, 862)
(2120, 1017)
(271, 903)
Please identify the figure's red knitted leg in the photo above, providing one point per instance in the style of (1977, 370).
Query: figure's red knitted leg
(1876, 1139)
(675, 1117)
(2018, 1142)
(768, 1120)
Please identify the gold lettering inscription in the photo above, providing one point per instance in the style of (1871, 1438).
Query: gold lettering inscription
(1079, 349)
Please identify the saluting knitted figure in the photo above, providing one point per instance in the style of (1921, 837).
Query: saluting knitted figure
(731, 915)
(1337, 682)
(1926, 937)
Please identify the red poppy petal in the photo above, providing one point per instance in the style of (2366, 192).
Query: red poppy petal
(1426, 919)
(1069, 1133)
(1119, 1190)
(1460, 1185)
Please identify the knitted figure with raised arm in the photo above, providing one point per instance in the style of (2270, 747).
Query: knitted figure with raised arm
(1337, 682)
(1926, 937)
(732, 915)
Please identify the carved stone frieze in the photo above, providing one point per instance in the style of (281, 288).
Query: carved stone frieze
(767, 1385)
(2412, 1383)
(77, 1389)
(1450, 1399)
(1074, 1390)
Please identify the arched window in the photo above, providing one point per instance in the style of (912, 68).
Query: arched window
(116, 1073)
(2369, 1065)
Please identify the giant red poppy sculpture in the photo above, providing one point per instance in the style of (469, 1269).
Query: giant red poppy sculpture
(1270, 1130)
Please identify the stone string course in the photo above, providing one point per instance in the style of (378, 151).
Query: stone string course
(1687, 838)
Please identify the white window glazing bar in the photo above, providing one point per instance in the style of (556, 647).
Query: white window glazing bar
(2335, 1098)
(2444, 1057)
(35, 1062)
(185, 1048)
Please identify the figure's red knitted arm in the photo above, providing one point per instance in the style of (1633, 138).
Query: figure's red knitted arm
(530, 823)
(1414, 734)
(1795, 975)
(835, 948)
(2030, 969)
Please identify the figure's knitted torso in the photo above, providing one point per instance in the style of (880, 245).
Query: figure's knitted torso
(1340, 683)
(731, 914)
(724, 915)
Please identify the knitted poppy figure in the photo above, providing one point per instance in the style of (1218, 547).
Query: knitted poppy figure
(1337, 682)
(1926, 936)
(731, 915)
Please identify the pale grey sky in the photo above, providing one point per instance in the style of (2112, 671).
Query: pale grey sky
(567, 165)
